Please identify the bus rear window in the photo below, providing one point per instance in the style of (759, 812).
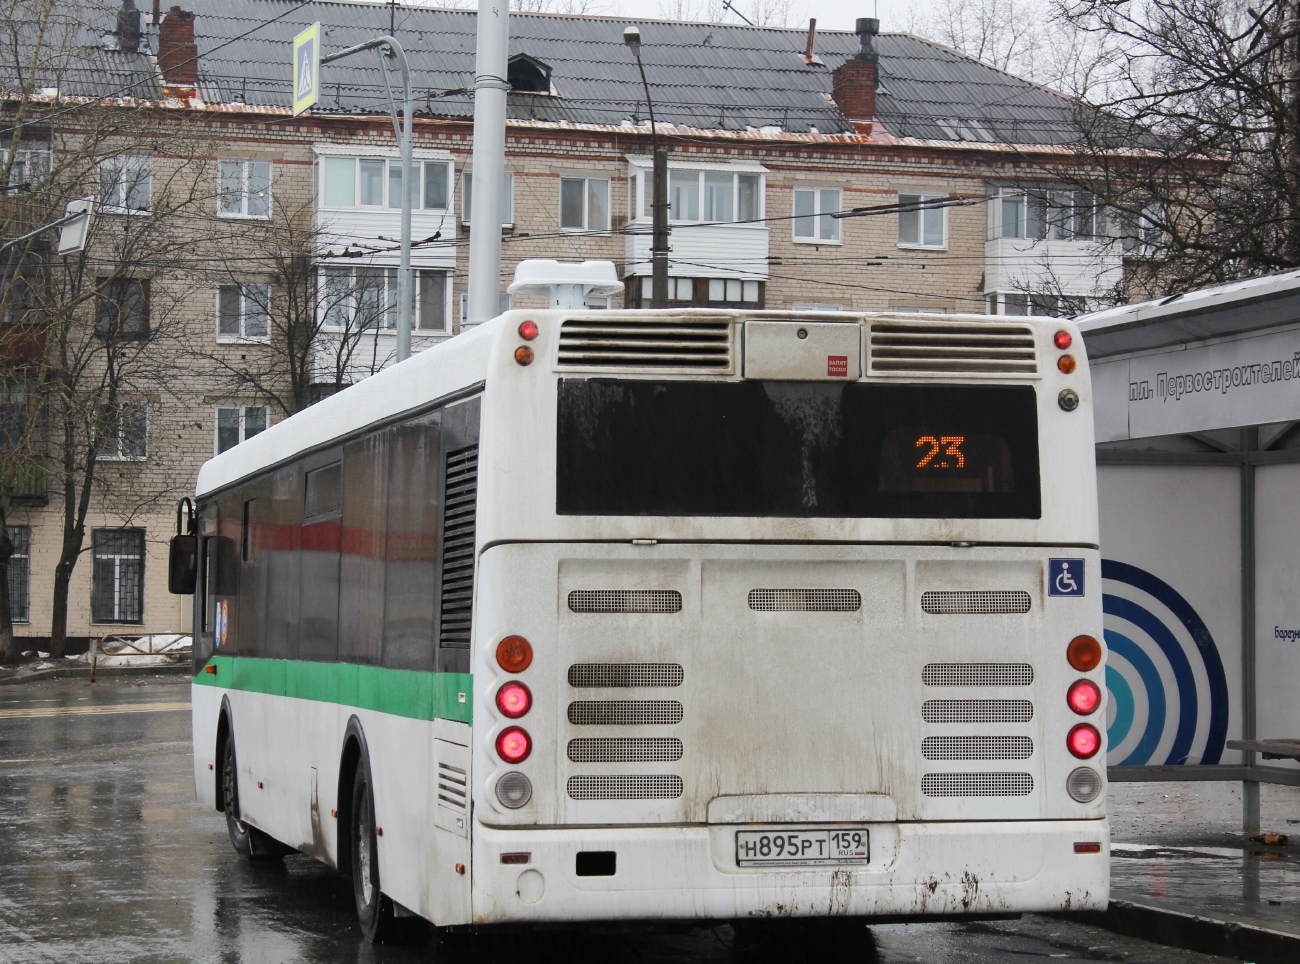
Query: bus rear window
(799, 449)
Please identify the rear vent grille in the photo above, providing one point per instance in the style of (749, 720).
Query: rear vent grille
(625, 601)
(977, 748)
(452, 786)
(977, 711)
(649, 786)
(945, 347)
(625, 712)
(675, 343)
(977, 674)
(967, 602)
(977, 784)
(625, 750)
(805, 600)
(460, 494)
(611, 675)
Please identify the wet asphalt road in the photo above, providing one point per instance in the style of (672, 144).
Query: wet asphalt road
(105, 857)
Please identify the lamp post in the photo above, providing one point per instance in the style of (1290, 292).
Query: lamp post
(659, 178)
(405, 302)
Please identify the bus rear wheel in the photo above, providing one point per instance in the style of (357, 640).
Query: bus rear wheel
(249, 842)
(374, 909)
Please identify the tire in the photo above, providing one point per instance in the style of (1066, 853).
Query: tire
(249, 842)
(374, 909)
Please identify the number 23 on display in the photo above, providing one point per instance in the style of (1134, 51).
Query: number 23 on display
(940, 448)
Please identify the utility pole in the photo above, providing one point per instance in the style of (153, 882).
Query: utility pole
(490, 89)
(659, 178)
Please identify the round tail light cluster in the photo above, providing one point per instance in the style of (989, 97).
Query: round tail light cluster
(1084, 653)
(514, 744)
(1084, 697)
(1083, 784)
(514, 700)
(1084, 741)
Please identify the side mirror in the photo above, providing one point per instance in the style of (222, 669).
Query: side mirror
(183, 565)
(183, 558)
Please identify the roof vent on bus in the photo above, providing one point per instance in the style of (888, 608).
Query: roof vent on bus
(939, 346)
(691, 344)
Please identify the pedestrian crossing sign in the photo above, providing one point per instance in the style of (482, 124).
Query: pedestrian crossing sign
(306, 69)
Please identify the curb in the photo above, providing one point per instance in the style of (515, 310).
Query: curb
(83, 672)
(1175, 926)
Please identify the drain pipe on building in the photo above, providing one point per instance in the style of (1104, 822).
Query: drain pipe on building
(489, 160)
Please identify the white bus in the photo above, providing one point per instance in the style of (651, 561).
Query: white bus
(667, 615)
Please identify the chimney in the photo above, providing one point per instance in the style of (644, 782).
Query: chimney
(128, 28)
(854, 81)
(157, 12)
(178, 54)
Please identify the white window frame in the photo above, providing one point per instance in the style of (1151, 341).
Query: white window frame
(117, 559)
(507, 198)
(122, 174)
(21, 538)
(23, 159)
(920, 243)
(387, 202)
(242, 412)
(388, 297)
(263, 291)
(245, 195)
(818, 217)
(700, 174)
(586, 207)
(725, 287)
(116, 453)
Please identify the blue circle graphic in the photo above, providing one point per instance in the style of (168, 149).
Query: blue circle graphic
(1160, 638)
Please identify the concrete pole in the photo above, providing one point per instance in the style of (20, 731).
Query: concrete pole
(489, 160)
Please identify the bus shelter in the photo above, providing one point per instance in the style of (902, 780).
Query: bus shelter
(1197, 408)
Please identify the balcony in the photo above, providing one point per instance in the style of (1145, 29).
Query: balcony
(31, 485)
(366, 354)
(1084, 269)
(707, 251)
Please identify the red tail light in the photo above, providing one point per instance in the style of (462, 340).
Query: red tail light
(1063, 340)
(1084, 741)
(528, 330)
(514, 744)
(514, 700)
(1084, 697)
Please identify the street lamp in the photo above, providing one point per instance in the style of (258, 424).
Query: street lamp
(659, 206)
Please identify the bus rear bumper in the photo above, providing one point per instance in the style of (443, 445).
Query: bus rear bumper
(685, 873)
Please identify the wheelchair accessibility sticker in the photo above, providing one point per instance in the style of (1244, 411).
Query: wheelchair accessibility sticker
(1065, 577)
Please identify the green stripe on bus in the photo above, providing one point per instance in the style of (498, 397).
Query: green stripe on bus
(412, 693)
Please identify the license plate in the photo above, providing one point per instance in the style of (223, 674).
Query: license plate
(803, 848)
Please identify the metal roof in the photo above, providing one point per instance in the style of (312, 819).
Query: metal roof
(1236, 308)
(706, 76)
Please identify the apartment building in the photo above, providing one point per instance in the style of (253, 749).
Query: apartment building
(836, 171)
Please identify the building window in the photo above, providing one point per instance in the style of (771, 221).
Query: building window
(123, 308)
(15, 404)
(1040, 304)
(813, 208)
(243, 312)
(680, 290)
(1041, 214)
(117, 590)
(376, 182)
(507, 199)
(124, 183)
(358, 299)
(244, 189)
(733, 291)
(922, 227)
(584, 203)
(714, 196)
(1142, 235)
(239, 423)
(26, 293)
(20, 573)
(123, 431)
(28, 168)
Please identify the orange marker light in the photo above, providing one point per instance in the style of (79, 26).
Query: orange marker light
(1066, 364)
(1084, 653)
(528, 330)
(524, 355)
(514, 654)
(210, 669)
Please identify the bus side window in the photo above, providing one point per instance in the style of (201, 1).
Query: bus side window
(411, 580)
(321, 533)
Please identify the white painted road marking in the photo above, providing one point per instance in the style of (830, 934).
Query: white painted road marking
(99, 709)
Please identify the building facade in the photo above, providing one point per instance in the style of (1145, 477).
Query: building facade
(865, 173)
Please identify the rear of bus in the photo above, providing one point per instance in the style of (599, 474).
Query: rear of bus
(786, 615)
